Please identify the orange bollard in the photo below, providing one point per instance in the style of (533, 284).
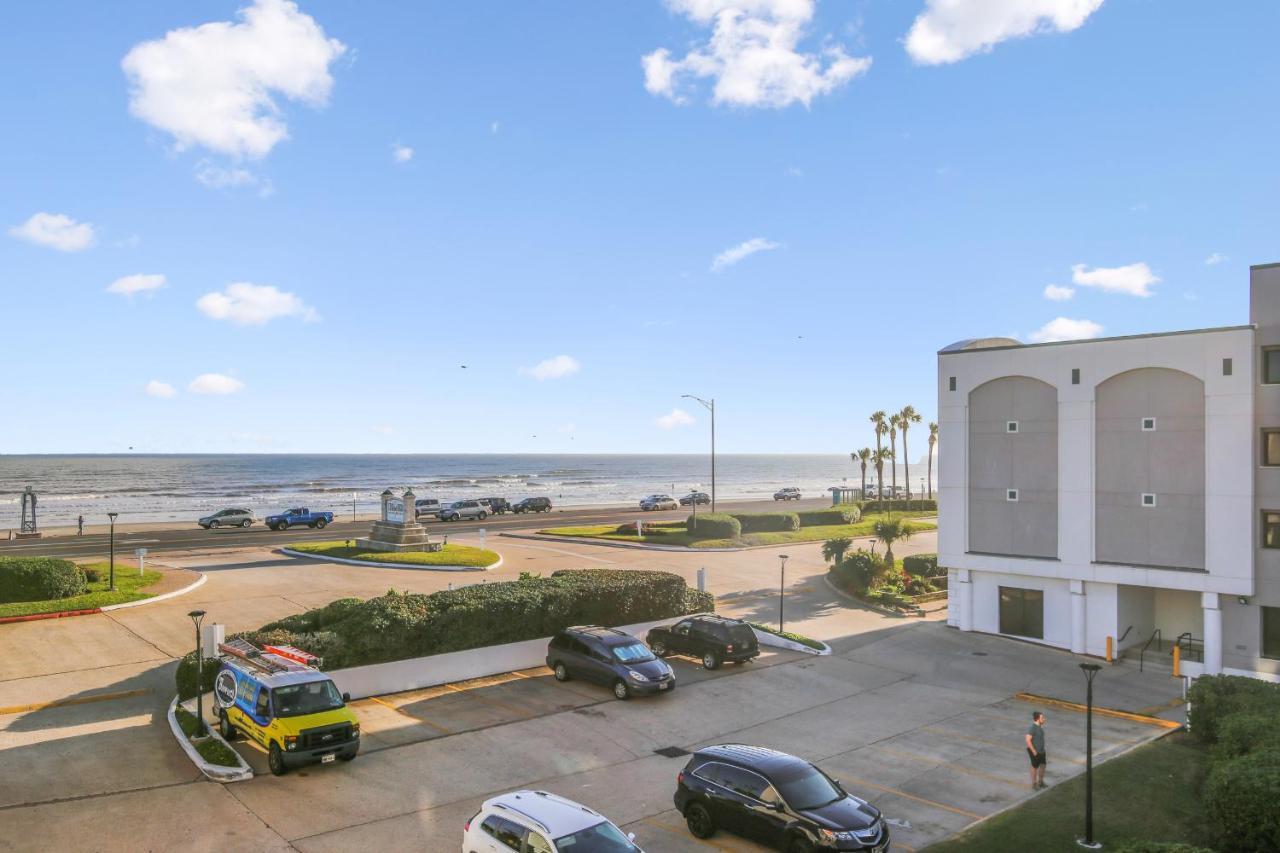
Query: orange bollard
(1109, 657)
(1177, 661)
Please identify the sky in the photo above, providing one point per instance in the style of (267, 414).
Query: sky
(532, 227)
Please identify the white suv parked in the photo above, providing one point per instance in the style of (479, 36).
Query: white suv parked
(538, 822)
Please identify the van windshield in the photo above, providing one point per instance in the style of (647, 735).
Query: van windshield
(310, 698)
(633, 653)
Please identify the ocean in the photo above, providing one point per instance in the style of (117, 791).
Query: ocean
(177, 488)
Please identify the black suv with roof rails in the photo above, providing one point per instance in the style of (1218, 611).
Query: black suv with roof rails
(533, 505)
(609, 656)
(714, 639)
(777, 799)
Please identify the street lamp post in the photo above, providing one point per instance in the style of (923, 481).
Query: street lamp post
(1090, 670)
(197, 616)
(711, 407)
(782, 586)
(693, 502)
(112, 558)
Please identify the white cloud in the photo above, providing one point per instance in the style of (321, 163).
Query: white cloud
(733, 254)
(1215, 259)
(163, 390)
(951, 30)
(553, 368)
(215, 383)
(753, 55)
(55, 230)
(215, 85)
(218, 177)
(1058, 292)
(1065, 329)
(248, 304)
(674, 418)
(401, 153)
(138, 283)
(1134, 279)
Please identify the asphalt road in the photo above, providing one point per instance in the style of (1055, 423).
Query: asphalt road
(160, 541)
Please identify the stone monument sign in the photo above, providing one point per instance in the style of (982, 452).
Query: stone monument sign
(398, 529)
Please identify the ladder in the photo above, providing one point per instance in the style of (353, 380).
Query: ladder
(271, 661)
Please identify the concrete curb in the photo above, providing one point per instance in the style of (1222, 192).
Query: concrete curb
(56, 614)
(883, 611)
(289, 552)
(216, 772)
(609, 543)
(769, 639)
(198, 582)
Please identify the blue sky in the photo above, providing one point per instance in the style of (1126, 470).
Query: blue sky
(563, 198)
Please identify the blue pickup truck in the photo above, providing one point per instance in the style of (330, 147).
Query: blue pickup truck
(299, 516)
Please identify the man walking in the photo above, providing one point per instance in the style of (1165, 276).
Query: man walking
(1035, 750)
(80, 526)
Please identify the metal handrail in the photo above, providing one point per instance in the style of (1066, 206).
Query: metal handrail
(1191, 647)
(1122, 636)
(1157, 639)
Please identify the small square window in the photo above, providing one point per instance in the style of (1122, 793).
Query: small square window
(1271, 446)
(1011, 426)
(952, 383)
(1011, 495)
(1270, 632)
(1270, 529)
(1271, 365)
(1075, 376)
(1148, 499)
(1226, 367)
(1148, 424)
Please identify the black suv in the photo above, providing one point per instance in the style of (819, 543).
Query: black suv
(533, 505)
(608, 656)
(777, 799)
(497, 505)
(695, 498)
(715, 639)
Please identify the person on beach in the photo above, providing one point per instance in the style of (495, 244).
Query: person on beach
(1035, 750)
(80, 526)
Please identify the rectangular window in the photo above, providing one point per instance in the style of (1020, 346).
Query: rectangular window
(1270, 529)
(1011, 495)
(952, 383)
(1011, 426)
(1271, 632)
(1271, 366)
(1075, 376)
(1022, 612)
(1226, 367)
(1271, 447)
(1148, 499)
(1148, 424)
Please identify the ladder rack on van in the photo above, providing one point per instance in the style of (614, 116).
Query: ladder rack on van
(270, 660)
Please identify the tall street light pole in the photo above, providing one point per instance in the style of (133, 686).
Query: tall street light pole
(711, 407)
(197, 616)
(112, 558)
(1090, 670)
(782, 587)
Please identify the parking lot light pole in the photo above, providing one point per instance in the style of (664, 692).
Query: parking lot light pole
(197, 616)
(693, 502)
(1090, 670)
(711, 407)
(782, 587)
(112, 558)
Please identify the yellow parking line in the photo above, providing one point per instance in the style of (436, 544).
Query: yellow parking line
(1102, 712)
(417, 719)
(950, 766)
(75, 700)
(935, 804)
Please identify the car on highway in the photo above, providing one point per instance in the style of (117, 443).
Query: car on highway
(695, 498)
(540, 822)
(609, 656)
(227, 518)
(656, 502)
(788, 494)
(712, 639)
(779, 800)
(533, 505)
(297, 517)
(426, 508)
(459, 510)
(497, 506)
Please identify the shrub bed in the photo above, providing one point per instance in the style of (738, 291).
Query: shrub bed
(716, 526)
(923, 565)
(915, 504)
(1240, 799)
(39, 579)
(768, 522)
(835, 515)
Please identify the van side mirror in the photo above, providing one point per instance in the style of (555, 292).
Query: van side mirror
(631, 836)
(346, 697)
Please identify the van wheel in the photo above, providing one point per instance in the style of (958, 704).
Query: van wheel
(659, 648)
(275, 760)
(225, 728)
(710, 660)
(621, 690)
(321, 523)
(699, 821)
(562, 672)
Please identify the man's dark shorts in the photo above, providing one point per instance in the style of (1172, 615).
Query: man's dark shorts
(1038, 759)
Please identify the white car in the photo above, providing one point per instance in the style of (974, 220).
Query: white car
(538, 822)
(463, 510)
(659, 502)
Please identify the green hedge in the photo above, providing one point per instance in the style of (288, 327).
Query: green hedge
(913, 505)
(856, 572)
(924, 565)
(715, 526)
(1160, 847)
(1242, 801)
(39, 579)
(186, 675)
(835, 515)
(1215, 697)
(768, 522)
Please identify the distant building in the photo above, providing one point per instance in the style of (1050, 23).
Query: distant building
(1116, 487)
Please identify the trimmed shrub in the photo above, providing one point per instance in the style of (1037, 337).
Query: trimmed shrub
(715, 526)
(657, 528)
(91, 575)
(858, 571)
(1160, 847)
(768, 522)
(923, 565)
(1240, 799)
(835, 515)
(39, 579)
(1250, 730)
(913, 505)
(1215, 697)
(186, 675)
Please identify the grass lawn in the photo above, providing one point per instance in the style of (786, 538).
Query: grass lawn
(1151, 794)
(674, 533)
(130, 586)
(452, 555)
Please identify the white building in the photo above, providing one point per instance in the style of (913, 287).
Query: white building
(1113, 488)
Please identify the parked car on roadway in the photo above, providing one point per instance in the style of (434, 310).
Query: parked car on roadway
(609, 656)
(777, 799)
(695, 498)
(533, 505)
(227, 518)
(426, 508)
(713, 639)
(787, 494)
(539, 822)
(459, 510)
(497, 506)
(656, 502)
(297, 517)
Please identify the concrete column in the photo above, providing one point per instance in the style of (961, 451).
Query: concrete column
(411, 507)
(1212, 633)
(966, 600)
(1077, 617)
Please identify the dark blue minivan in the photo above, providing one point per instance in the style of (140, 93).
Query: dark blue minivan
(609, 656)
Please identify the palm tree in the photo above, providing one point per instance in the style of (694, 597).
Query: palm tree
(862, 457)
(889, 531)
(906, 418)
(933, 440)
(880, 457)
(833, 550)
(878, 418)
(895, 421)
